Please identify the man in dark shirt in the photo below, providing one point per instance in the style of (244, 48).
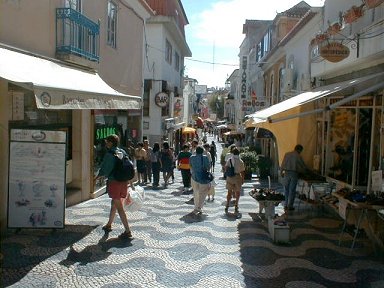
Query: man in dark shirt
(291, 166)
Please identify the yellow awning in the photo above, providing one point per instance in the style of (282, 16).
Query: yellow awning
(266, 114)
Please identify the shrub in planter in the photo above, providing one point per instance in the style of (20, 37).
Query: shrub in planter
(264, 164)
(250, 162)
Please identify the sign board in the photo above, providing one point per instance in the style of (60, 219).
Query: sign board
(334, 52)
(36, 192)
(161, 99)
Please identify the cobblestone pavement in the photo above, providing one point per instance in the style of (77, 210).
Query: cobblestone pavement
(172, 249)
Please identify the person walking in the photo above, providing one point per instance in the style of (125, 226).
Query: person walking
(199, 165)
(213, 152)
(292, 165)
(140, 156)
(184, 167)
(226, 158)
(148, 162)
(194, 144)
(156, 164)
(234, 183)
(117, 190)
(166, 162)
(173, 164)
(211, 191)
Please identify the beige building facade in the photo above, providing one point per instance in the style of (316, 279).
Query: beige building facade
(73, 66)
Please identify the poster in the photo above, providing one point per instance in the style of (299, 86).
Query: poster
(36, 192)
(377, 180)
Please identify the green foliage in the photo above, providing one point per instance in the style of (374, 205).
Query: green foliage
(250, 160)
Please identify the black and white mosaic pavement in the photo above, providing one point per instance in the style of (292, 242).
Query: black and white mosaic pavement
(172, 249)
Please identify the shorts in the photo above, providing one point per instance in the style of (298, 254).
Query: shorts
(117, 189)
(140, 164)
(234, 183)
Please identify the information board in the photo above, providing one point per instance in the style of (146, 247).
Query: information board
(36, 191)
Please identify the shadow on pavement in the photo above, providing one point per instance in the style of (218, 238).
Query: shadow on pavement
(94, 253)
(23, 251)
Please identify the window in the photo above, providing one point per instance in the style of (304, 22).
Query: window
(168, 52)
(112, 24)
(281, 84)
(177, 61)
(74, 4)
(266, 43)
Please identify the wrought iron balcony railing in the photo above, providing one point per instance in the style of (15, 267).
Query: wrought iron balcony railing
(76, 34)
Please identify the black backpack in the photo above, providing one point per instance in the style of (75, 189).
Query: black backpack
(124, 169)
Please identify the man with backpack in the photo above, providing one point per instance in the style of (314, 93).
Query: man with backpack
(115, 167)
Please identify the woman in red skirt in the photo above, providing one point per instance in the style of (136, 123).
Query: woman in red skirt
(117, 190)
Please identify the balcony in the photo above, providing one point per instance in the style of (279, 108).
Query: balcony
(77, 37)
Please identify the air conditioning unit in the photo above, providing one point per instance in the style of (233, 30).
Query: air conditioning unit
(288, 79)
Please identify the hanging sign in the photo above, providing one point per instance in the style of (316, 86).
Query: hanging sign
(36, 192)
(161, 99)
(334, 52)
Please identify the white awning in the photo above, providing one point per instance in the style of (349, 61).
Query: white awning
(62, 87)
(306, 97)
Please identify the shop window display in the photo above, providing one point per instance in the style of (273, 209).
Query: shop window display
(342, 135)
(107, 123)
(351, 141)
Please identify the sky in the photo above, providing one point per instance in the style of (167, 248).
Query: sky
(214, 34)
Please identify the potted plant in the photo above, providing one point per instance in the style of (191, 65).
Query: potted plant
(264, 165)
(373, 3)
(250, 162)
(319, 38)
(334, 28)
(353, 14)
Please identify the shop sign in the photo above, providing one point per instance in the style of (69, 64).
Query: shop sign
(244, 67)
(161, 99)
(104, 132)
(334, 52)
(252, 105)
(178, 106)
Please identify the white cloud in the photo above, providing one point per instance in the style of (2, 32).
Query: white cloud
(215, 34)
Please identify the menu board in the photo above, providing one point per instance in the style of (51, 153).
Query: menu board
(36, 193)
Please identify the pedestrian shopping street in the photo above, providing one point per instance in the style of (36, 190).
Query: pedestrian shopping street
(172, 249)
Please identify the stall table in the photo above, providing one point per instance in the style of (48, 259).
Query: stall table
(344, 208)
(311, 191)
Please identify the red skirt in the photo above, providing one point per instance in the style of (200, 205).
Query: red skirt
(117, 189)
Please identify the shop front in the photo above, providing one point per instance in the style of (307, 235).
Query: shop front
(42, 94)
(314, 119)
(341, 129)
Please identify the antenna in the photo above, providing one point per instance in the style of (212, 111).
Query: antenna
(213, 56)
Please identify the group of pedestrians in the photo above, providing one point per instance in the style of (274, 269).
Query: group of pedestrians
(194, 161)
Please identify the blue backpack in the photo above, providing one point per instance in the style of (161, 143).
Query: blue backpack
(124, 169)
